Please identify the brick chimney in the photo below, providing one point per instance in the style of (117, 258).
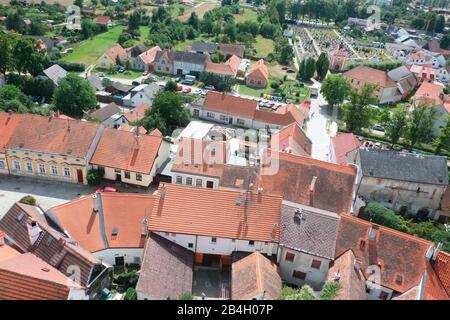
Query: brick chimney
(312, 188)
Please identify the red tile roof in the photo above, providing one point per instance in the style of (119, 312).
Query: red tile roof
(6, 251)
(116, 51)
(215, 213)
(8, 125)
(27, 277)
(125, 150)
(291, 136)
(283, 116)
(255, 275)
(429, 92)
(294, 175)
(259, 71)
(442, 269)
(102, 20)
(370, 75)
(342, 144)
(138, 113)
(54, 135)
(123, 211)
(225, 103)
(434, 289)
(401, 256)
(127, 127)
(148, 57)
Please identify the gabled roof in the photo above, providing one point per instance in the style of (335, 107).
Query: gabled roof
(216, 213)
(54, 135)
(149, 56)
(259, 70)
(125, 150)
(404, 166)
(284, 116)
(127, 127)
(232, 49)
(103, 20)
(137, 113)
(429, 92)
(255, 275)
(96, 82)
(28, 277)
(342, 144)
(308, 230)
(308, 181)
(229, 68)
(125, 212)
(370, 75)
(291, 136)
(8, 125)
(166, 54)
(401, 257)
(106, 112)
(190, 57)
(55, 73)
(442, 269)
(136, 50)
(6, 252)
(201, 46)
(166, 270)
(116, 51)
(225, 103)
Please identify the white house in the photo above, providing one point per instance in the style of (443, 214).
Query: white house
(189, 63)
(143, 93)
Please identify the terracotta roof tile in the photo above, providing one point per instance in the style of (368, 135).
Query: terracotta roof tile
(434, 289)
(149, 56)
(225, 103)
(127, 127)
(137, 113)
(54, 135)
(8, 125)
(215, 213)
(255, 275)
(342, 144)
(103, 20)
(116, 51)
(125, 150)
(259, 70)
(232, 49)
(429, 93)
(293, 137)
(442, 269)
(370, 75)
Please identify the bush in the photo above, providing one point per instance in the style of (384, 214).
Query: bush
(28, 200)
(379, 214)
(127, 279)
(275, 85)
(330, 290)
(130, 294)
(186, 296)
(95, 177)
(70, 66)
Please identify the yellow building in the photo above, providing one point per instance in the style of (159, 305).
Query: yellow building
(52, 148)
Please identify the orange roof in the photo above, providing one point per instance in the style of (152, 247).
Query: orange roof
(27, 277)
(123, 211)
(216, 213)
(259, 70)
(138, 113)
(283, 116)
(54, 135)
(442, 269)
(149, 56)
(229, 68)
(342, 144)
(103, 20)
(370, 75)
(395, 252)
(225, 103)
(293, 177)
(201, 157)
(125, 150)
(116, 51)
(6, 252)
(8, 125)
(429, 92)
(434, 289)
(127, 127)
(255, 275)
(292, 136)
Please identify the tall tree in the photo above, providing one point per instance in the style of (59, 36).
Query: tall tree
(335, 88)
(193, 20)
(443, 140)
(322, 66)
(7, 42)
(396, 125)
(74, 96)
(420, 125)
(358, 113)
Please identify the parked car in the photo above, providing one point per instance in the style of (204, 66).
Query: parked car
(187, 90)
(121, 69)
(100, 74)
(290, 71)
(106, 189)
(208, 87)
(146, 73)
(197, 91)
(135, 82)
(177, 79)
(179, 88)
(378, 127)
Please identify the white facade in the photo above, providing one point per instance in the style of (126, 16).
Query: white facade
(303, 264)
(195, 180)
(442, 75)
(139, 98)
(219, 246)
(181, 67)
(130, 255)
(77, 294)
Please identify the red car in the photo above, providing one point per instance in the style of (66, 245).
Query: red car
(106, 189)
(179, 88)
(187, 90)
(284, 68)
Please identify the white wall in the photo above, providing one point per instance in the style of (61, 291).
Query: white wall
(110, 174)
(194, 179)
(108, 255)
(302, 262)
(187, 67)
(140, 98)
(77, 294)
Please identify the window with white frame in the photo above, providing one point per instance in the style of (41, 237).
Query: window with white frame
(2, 164)
(29, 166)
(54, 170)
(223, 118)
(179, 179)
(210, 115)
(16, 165)
(66, 172)
(240, 121)
(198, 182)
(41, 168)
(138, 177)
(189, 181)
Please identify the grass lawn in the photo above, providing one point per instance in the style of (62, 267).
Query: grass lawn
(247, 14)
(181, 46)
(130, 74)
(289, 89)
(263, 46)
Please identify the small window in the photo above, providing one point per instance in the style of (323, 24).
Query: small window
(299, 275)
(210, 115)
(190, 245)
(384, 295)
(2, 164)
(16, 165)
(179, 179)
(127, 174)
(214, 240)
(198, 182)
(49, 241)
(233, 240)
(117, 171)
(54, 170)
(137, 260)
(138, 177)
(240, 121)
(67, 172)
(251, 243)
(189, 181)
(29, 167)
(41, 168)
(114, 232)
(289, 257)
(316, 264)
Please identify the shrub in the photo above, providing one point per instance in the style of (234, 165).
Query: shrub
(95, 177)
(28, 200)
(330, 290)
(186, 296)
(130, 294)
(127, 279)
(275, 85)
(70, 66)
(379, 214)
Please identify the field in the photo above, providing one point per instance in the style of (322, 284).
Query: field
(246, 15)
(200, 10)
(63, 2)
(263, 46)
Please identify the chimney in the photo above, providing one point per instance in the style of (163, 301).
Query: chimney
(33, 231)
(57, 114)
(10, 112)
(2, 238)
(312, 190)
(162, 191)
(373, 232)
(97, 200)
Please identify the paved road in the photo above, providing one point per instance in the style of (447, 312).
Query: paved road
(320, 127)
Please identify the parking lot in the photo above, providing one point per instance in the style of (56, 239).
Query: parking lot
(47, 193)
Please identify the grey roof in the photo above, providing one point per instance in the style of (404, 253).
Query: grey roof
(96, 82)
(314, 233)
(399, 73)
(404, 166)
(166, 271)
(151, 90)
(106, 112)
(230, 49)
(204, 46)
(190, 57)
(137, 50)
(55, 73)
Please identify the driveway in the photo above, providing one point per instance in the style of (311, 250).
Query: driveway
(47, 193)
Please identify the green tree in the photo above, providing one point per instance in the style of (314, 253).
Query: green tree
(74, 96)
(7, 42)
(27, 57)
(171, 86)
(95, 177)
(28, 200)
(396, 125)
(130, 294)
(167, 113)
(78, 3)
(379, 214)
(322, 66)
(186, 296)
(230, 31)
(358, 113)
(440, 24)
(305, 293)
(330, 290)
(193, 20)
(443, 140)
(335, 88)
(420, 125)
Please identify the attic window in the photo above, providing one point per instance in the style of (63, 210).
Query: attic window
(399, 279)
(114, 232)
(49, 241)
(20, 217)
(362, 244)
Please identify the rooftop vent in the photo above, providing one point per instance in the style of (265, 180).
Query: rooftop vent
(399, 279)
(114, 232)
(238, 201)
(45, 269)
